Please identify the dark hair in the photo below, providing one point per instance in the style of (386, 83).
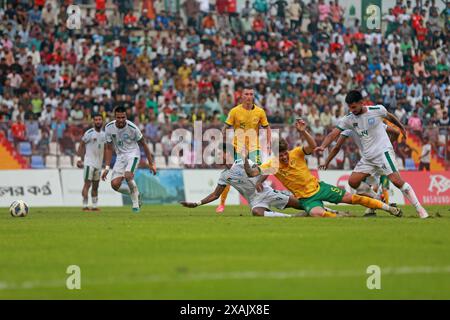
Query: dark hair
(119, 109)
(353, 96)
(283, 145)
(248, 87)
(96, 114)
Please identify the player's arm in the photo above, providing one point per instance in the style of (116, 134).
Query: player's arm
(391, 118)
(81, 153)
(108, 157)
(333, 152)
(251, 171)
(148, 154)
(210, 198)
(392, 133)
(300, 125)
(328, 139)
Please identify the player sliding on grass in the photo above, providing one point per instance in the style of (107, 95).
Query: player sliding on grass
(292, 170)
(375, 181)
(259, 200)
(378, 155)
(126, 138)
(91, 151)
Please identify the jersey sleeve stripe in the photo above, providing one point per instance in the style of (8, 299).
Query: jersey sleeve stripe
(374, 108)
(339, 128)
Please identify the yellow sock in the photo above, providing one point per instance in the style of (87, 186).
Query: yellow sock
(327, 214)
(386, 195)
(223, 196)
(367, 202)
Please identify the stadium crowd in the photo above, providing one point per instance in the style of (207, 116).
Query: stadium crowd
(172, 66)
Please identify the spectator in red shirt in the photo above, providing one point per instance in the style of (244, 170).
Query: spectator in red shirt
(416, 19)
(421, 32)
(61, 114)
(100, 5)
(398, 10)
(258, 24)
(18, 130)
(130, 20)
(101, 18)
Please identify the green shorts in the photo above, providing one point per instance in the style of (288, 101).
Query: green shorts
(254, 156)
(326, 192)
(384, 182)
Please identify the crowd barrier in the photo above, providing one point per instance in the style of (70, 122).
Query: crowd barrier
(62, 187)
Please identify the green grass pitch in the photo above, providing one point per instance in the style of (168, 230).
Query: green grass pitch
(169, 252)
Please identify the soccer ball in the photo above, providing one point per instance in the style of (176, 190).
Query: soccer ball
(18, 208)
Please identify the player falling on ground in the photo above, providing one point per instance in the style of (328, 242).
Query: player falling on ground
(378, 155)
(246, 116)
(377, 182)
(292, 170)
(91, 152)
(126, 138)
(260, 200)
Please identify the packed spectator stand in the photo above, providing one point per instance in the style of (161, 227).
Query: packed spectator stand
(172, 65)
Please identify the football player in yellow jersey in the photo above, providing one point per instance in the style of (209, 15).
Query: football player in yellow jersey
(246, 119)
(292, 171)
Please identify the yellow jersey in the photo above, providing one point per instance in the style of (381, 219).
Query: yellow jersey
(295, 175)
(246, 120)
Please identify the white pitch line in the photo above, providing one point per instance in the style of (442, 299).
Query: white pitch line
(244, 275)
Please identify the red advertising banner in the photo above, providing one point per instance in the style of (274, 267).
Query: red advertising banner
(430, 187)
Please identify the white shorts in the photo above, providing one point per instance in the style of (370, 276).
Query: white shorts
(125, 163)
(269, 198)
(384, 164)
(91, 173)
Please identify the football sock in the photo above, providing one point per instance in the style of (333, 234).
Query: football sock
(85, 202)
(409, 193)
(369, 202)
(134, 193)
(223, 196)
(327, 214)
(273, 214)
(94, 202)
(124, 189)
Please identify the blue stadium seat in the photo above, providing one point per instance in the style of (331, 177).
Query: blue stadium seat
(37, 162)
(410, 165)
(25, 148)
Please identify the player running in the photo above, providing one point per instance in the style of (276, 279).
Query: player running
(246, 119)
(260, 199)
(293, 172)
(379, 183)
(91, 152)
(378, 155)
(126, 138)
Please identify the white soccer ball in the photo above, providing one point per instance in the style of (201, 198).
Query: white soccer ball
(18, 208)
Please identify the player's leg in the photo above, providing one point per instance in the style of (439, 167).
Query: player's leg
(87, 184)
(314, 204)
(394, 176)
(268, 198)
(370, 203)
(408, 192)
(223, 198)
(94, 190)
(129, 177)
(265, 212)
(360, 174)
